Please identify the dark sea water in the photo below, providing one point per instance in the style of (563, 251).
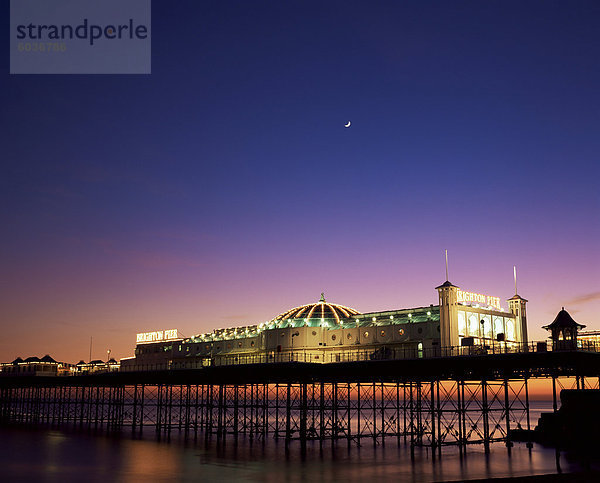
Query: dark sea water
(61, 456)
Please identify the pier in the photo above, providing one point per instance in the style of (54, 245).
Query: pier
(423, 402)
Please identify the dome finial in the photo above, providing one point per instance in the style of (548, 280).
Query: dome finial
(322, 299)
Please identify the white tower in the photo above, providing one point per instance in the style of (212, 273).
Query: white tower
(518, 307)
(448, 314)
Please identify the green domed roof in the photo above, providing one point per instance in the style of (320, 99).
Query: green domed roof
(321, 310)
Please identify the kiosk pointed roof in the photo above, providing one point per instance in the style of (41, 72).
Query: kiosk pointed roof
(563, 320)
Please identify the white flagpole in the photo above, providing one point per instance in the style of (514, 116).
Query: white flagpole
(447, 266)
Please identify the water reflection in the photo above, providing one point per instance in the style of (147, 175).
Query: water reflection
(61, 456)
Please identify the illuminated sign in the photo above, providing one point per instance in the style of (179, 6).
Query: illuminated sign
(472, 297)
(157, 336)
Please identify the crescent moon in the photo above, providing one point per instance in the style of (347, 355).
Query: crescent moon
(348, 124)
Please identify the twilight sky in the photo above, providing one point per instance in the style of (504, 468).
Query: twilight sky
(223, 188)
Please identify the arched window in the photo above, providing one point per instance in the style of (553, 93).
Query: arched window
(473, 325)
(510, 329)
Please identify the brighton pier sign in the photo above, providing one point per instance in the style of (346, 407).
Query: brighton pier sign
(157, 336)
(472, 297)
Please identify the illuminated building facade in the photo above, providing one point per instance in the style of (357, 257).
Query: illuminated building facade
(468, 318)
(35, 366)
(328, 332)
(588, 338)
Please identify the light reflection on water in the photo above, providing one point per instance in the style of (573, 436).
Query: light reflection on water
(53, 456)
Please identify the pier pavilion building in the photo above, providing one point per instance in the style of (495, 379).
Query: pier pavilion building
(462, 322)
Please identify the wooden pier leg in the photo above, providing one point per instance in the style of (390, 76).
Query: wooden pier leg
(374, 402)
(265, 411)
(203, 408)
(245, 420)
(419, 411)
(529, 444)
(404, 411)
(412, 388)
(142, 401)
(485, 414)
(134, 409)
(236, 412)
(334, 414)
(110, 410)
(439, 418)
(433, 419)
(96, 402)
(82, 407)
(398, 414)
(303, 416)
(321, 414)
(507, 414)
(349, 415)
(183, 408)
(251, 412)
(382, 406)
(220, 411)
(159, 409)
(169, 414)
(460, 392)
(288, 416)
(358, 422)
(211, 409)
(196, 407)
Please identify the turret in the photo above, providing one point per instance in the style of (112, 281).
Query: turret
(448, 314)
(517, 306)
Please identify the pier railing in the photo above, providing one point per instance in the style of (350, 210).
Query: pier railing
(333, 355)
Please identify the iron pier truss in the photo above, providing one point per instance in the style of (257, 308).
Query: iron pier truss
(424, 402)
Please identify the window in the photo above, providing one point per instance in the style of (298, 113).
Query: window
(461, 323)
(314, 332)
(239, 344)
(349, 336)
(252, 344)
(366, 334)
(420, 330)
(486, 323)
(473, 325)
(400, 331)
(382, 333)
(333, 337)
(498, 325)
(510, 329)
